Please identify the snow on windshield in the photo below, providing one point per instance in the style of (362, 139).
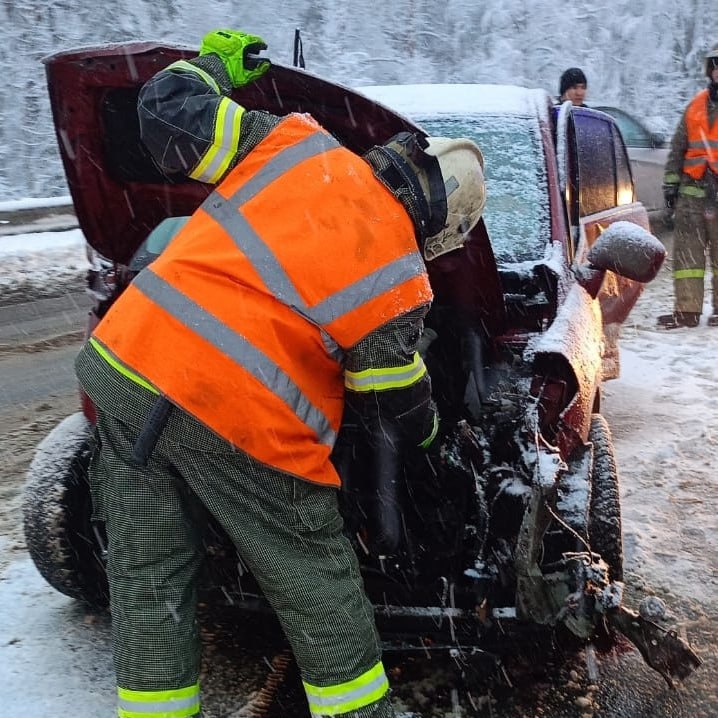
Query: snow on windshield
(517, 205)
(461, 99)
(504, 121)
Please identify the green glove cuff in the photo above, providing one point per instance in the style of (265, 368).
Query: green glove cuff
(432, 435)
(232, 47)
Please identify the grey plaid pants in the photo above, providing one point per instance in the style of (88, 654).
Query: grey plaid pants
(288, 531)
(695, 236)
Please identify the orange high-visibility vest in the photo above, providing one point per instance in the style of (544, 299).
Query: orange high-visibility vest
(242, 321)
(702, 149)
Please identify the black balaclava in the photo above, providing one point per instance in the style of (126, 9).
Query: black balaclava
(414, 178)
(572, 76)
(712, 62)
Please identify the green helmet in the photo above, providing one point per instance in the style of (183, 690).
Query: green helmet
(710, 62)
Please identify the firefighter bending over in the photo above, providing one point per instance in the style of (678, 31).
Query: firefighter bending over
(220, 374)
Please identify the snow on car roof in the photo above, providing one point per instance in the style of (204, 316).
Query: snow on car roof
(424, 100)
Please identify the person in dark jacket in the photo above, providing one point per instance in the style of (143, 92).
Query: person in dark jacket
(690, 189)
(220, 374)
(573, 87)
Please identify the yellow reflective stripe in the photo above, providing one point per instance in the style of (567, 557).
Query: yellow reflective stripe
(119, 366)
(671, 178)
(689, 273)
(434, 431)
(692, 191)
(216, 159)
(387, 378)
(177, 703)
(341, 698)
(185, 66)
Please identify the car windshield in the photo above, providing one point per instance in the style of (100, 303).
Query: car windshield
(517, 206)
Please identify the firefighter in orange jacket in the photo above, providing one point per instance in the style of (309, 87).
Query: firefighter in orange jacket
(690, 187)
(220, 375)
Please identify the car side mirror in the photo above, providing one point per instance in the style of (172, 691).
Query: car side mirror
(628, 250)
(658, 139)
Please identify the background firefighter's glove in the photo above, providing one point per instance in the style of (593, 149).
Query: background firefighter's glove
(233, 48)
(670, 195)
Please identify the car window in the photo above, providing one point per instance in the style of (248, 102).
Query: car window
(624, 179)
(596, 157)
(634, 134)
(517, 206)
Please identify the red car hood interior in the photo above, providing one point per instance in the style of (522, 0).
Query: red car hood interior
(120, 195)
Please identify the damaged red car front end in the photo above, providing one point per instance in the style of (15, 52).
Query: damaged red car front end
(518, 520)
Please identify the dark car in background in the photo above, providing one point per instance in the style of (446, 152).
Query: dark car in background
(516, 521)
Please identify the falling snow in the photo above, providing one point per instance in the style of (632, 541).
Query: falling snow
(54, 657)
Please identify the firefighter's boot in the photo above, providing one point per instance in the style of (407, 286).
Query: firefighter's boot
(674, 320)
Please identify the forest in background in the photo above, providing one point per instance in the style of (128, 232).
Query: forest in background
(645, 56)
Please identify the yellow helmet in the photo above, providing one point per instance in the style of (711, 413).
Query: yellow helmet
(440, 182)
(462, 169)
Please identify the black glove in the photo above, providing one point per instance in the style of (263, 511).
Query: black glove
(670, 194)
(427, 337)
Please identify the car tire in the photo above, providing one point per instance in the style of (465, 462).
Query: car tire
(604, 522)
(57, 510)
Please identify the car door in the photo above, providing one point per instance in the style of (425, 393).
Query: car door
(599, 190)
(648, 152)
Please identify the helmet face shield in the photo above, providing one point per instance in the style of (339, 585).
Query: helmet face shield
(462, 169)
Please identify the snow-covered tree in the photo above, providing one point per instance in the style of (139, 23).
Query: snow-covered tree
(642, 55)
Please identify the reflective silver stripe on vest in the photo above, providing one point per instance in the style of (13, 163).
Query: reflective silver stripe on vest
(237, 348)
(163, 707)
(316, 144)
(694, 161)
(701, 144)
(258, 253)
(362, 291)
(333, 349)
(227, 214)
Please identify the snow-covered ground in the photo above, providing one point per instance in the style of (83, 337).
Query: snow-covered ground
(664, 417)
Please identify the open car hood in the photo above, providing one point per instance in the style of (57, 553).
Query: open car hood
(120, 195)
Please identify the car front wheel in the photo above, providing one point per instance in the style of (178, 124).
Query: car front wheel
(604, 523)
(57, 510)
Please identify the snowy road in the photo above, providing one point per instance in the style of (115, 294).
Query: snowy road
(55, 658)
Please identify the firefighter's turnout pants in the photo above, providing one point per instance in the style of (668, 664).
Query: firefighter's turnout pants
(288, 532)
(694, 236)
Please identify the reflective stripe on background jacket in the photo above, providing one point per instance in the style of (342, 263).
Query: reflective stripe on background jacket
(298, 254)
(702, 150)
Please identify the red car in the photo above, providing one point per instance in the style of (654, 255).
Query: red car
(519, 521)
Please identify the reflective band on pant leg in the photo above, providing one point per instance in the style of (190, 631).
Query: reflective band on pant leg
(689, 255)
(689, 273)
(334, 700)
(178, 703)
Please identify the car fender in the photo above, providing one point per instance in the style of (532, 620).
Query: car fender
(567, 370)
